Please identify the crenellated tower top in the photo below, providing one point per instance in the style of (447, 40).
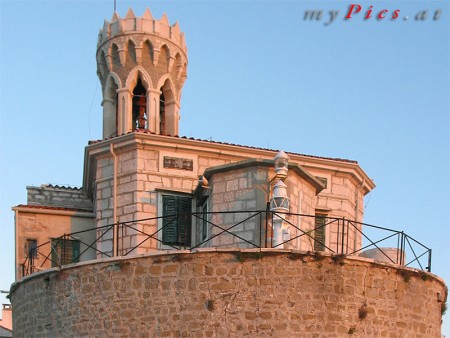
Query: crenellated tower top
(145, 24)
(142, 66)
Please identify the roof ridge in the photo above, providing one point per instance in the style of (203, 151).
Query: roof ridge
(144, 131)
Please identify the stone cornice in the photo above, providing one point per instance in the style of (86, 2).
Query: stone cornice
(53, 211)
(264, 163)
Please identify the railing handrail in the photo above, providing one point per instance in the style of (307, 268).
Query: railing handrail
(344, 226)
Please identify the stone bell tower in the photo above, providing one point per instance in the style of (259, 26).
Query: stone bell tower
(142, 66)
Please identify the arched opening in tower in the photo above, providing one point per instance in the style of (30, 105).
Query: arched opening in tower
(139, 106)
(162, 114)
(168, 122)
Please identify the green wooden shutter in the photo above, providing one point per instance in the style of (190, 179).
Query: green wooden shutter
(170, 210)
(319, 233)
(184, 221)
(75, 251)
(65, 251)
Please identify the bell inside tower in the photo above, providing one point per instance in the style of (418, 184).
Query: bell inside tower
(139, 107)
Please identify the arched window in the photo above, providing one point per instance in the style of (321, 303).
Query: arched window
(167, 110)
(162, 114)
(115, 55)
(131, 55)
(147, 54)
(139, 106)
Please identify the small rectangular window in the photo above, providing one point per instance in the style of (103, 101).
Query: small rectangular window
(31, 247)
(65, 251)
(319, 232)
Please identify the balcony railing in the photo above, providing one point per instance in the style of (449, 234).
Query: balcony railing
(242, 229)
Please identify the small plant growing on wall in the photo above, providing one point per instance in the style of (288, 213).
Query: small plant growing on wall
(362, 312)
(406, 276)
(444, 303)
(339, 259)
(243, 256)
(318, 256)
(425, 277)
(294, 256)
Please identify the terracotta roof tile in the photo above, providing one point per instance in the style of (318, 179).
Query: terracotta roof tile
(49, 207)
(65, 187)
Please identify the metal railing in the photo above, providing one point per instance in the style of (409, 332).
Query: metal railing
(243, 229)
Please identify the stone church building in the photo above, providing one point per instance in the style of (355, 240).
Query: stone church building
(176, 236)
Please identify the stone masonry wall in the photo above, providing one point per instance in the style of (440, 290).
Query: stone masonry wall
(234, 293)
(238, 190)
(57, 196)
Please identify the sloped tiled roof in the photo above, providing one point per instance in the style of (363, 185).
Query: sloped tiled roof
(64, 187)
(49, 207)
(144, 131)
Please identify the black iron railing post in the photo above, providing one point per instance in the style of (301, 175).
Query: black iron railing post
(185, 232)
(115, 238)
(348, 235)
(267, 222)
(343, 235)
(31, 260)
(429, 261)
(260, 231)
(402, 248)
(338, 235)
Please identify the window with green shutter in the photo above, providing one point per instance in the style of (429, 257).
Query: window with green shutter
(65, 251)
(319, 232)
(176, 222)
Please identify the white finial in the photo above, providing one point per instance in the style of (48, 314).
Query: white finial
(281, 164)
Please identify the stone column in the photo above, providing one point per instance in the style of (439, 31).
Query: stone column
(153, 110)
(109, 117)
(125, 106)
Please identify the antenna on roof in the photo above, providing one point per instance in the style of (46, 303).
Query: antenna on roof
(114, 5)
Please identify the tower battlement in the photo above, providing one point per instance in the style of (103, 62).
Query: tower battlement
(130, 24)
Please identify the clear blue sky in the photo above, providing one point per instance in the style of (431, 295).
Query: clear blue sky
(374, 91)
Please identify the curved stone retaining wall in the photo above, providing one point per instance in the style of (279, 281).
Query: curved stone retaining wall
(229, 294)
